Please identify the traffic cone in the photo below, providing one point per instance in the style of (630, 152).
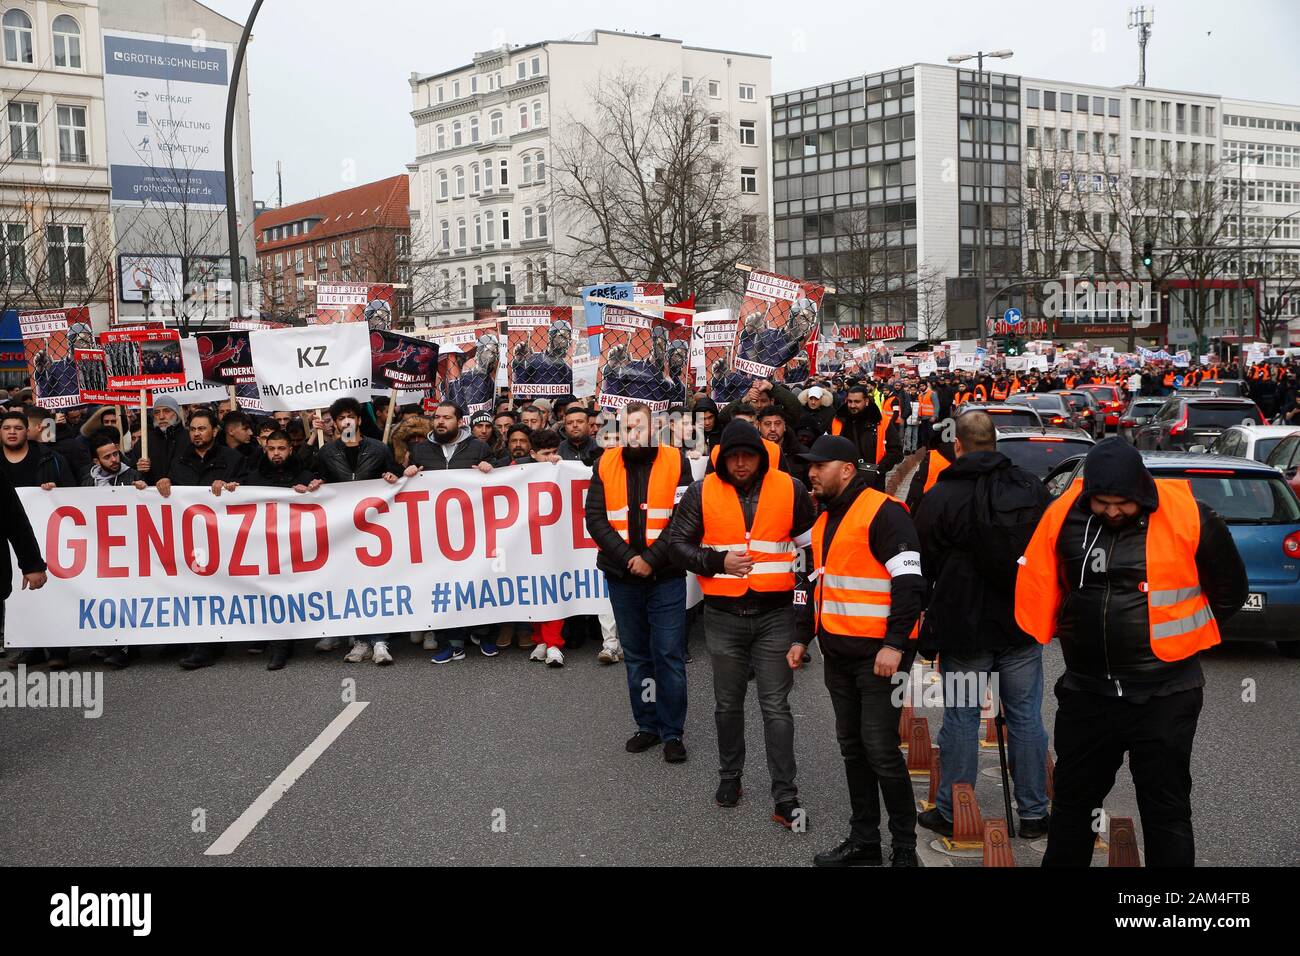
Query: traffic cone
(997, 844)
(918, 754)
(1123, 843)
(905, 725)
(967, 824)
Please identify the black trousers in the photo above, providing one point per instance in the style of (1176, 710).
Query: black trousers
(1092, 735)
(866, 725)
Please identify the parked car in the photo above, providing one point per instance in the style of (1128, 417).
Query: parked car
(1088, 414)
(1249, 441)
(1226, 387)
(1052, 408)
(1040, 450)
(1005, 416)
(1111, 400)
(1286, 459)
(1139, 411)
(1263, 515)
(1184, 422)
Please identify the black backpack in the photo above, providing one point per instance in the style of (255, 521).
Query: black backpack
(1008, 503)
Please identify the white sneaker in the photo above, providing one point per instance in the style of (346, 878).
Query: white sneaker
(329, 643)
(430, 640)
(416, 637)
(360, 652)
(610, 653)
(554, 657)
(538, 654)
(381, 654)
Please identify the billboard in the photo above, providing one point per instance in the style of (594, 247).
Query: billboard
(165, 104)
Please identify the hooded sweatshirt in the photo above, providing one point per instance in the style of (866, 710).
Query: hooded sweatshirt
(1103, 624)
(687, 530)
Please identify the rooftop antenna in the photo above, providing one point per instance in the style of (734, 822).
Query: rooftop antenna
(1141, 19)
(279, 185)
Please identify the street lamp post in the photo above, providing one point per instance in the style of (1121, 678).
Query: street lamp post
(979, 163)
(232, 220)
(1241, 261)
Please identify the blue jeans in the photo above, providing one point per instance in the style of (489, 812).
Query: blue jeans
(651, 619)
(1020, 692)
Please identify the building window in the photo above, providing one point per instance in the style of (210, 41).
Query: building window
(528, 222)
(459, 173)
(521, 70)
(505, 225)
(749, 228)
(442, 184)
(24, 130)
(18, 37)
(528, 277)
(715, 127)
(473, 129)
(1067, 102)
(1049, 100)
(1112, 107)
(537, 65)
(440, 94)
(487, 174)
(526, 175)
(748, 133)
(13, 254)
(749, 179)
(446, 234)
(496, 123)
(478, 230)
(473, 83)
(546, 283)
(1031, 99)
(491, 226)
(539, 171)
(455, 89)
(505, 175)
(66, 251)
(541, 222)
(746, 93)
(464, 291)
(72, 134)
(537, 113)
(475, 178)
(440, 137)
(460, 233)
(686, 86)
(715, 90)
(67, 43)
(523, 116)
(1031, 137)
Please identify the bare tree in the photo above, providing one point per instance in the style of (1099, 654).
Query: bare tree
(875, 276)
(646, 187)
(931, 311)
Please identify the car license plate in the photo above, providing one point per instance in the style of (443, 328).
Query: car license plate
(1254, 602)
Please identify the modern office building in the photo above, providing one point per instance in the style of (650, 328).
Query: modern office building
(876, 183)
(482, 207)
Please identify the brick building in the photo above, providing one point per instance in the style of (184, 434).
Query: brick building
(356, 235)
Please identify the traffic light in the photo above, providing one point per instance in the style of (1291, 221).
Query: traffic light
(1146, 254)
(1013, 345)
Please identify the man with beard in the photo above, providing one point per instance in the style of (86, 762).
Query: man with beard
(473, 389)
(450, 446)
(1134, 576)
(278, 467)
(864, 605)
(168, 440)
(879, 444)
(205, 463)
(578, 444)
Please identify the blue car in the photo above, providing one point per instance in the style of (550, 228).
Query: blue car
(1263, 515)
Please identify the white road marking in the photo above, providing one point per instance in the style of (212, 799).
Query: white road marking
(235, 834)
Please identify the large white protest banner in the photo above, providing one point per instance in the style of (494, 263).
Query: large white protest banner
(438, 550)
(310, 367)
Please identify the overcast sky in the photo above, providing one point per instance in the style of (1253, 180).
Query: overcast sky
(329, 77)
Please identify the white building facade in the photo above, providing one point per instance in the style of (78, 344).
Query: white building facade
(482, 208)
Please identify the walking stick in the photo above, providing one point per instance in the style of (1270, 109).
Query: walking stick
(1000, 725)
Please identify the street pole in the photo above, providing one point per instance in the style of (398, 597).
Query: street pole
(979, 191)
(1241, 268)
(232, 220)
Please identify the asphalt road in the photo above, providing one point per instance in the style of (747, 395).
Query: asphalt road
(504, 761)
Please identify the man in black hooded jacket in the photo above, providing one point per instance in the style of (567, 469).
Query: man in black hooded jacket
(1130, 631)
(858, 420)
(752, 628)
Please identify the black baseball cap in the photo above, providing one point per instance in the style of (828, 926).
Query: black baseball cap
(832, 448)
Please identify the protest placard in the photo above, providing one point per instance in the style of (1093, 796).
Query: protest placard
(469, 355)
(779, 318)
(143, 358)
(540, 342)
(50, 337)
(367, 302)
(308, 368)
(639, 361)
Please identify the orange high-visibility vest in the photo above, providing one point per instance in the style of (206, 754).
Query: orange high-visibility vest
(925, 404)
(837, 426)
(773, 454)
(661, 492)
(853, 587)
(981, 393)
(937, 464)
(1000, 393)
(768, 539)
(1070, 381)
(889, 409)
(1182, 622)
(1015, 385)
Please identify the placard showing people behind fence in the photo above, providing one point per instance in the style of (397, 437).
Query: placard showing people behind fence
(468, 357)
(50, 336)
(640, 361)
(540, 342)
(779, 318)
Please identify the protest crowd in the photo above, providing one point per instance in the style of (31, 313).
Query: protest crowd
(852, 507)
